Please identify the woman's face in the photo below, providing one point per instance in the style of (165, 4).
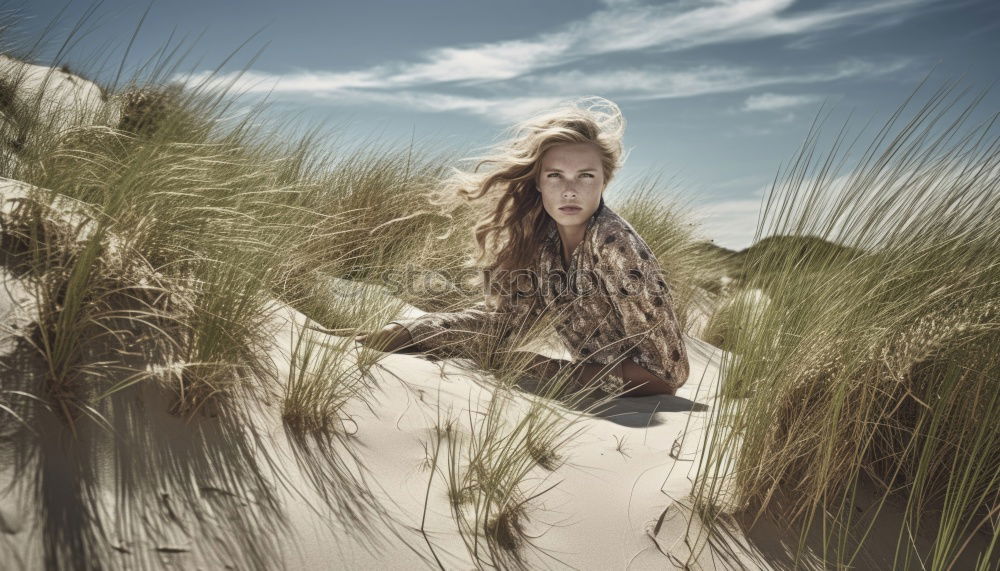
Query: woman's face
(571, 175)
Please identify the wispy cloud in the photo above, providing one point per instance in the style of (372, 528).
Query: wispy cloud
(501, 110)
(619, 27)
(777, 101)
(683, 25)
(656, 82)
(653, 83)
(316, 82)
(619, 3)
(505, 103)
(630, 27)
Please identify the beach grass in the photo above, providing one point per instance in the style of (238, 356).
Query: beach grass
(159, 231)
(666, 224)
(163, 227)
(497, 462)
(877, 370)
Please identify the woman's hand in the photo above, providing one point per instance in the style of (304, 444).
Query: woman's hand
(390, 338)
(639, 382)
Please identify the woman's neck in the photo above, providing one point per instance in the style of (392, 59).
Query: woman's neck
(571, 236)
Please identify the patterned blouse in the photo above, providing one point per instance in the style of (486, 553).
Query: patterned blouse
(611, 303)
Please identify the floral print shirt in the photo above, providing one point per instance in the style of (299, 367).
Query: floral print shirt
(611, 303)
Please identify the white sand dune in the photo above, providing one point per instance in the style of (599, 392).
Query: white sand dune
(64, 99)
(358, 503)
(232, 487)
(606, 499)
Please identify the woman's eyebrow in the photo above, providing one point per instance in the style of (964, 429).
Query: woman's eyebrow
(553, 169)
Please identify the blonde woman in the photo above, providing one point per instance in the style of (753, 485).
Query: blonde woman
(561, 250)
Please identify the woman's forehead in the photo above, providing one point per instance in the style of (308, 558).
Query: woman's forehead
(575, 156)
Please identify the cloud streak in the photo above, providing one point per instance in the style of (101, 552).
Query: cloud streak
(658, 83)
(506, 104)
(501, 110)
(619, 27)
(777, 101)
(628, 27)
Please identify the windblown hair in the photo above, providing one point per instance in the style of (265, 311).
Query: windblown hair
(515, 223)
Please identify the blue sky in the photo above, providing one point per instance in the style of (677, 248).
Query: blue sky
(717, 94)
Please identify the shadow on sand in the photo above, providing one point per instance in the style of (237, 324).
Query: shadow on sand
(633, 412)
(861, 536)
(122, 483)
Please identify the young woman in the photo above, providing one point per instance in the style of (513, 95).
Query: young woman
(612, 306)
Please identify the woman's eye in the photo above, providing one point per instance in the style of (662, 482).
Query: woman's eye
(588, 174)
(552, 174)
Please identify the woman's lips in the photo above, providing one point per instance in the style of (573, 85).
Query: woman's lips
(570, 209)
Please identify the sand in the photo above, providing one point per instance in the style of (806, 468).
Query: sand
(208, 492)
(64, 99)
(232, 487)
(616, 478)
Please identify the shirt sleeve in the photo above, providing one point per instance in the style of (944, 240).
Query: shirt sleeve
(480, 327)
(639, 294)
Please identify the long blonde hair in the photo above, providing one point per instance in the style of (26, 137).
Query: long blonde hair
(508, 235)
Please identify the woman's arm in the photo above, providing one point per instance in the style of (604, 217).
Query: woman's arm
(461, 332)
(641, 382)
(639, 294)
(638, 381)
